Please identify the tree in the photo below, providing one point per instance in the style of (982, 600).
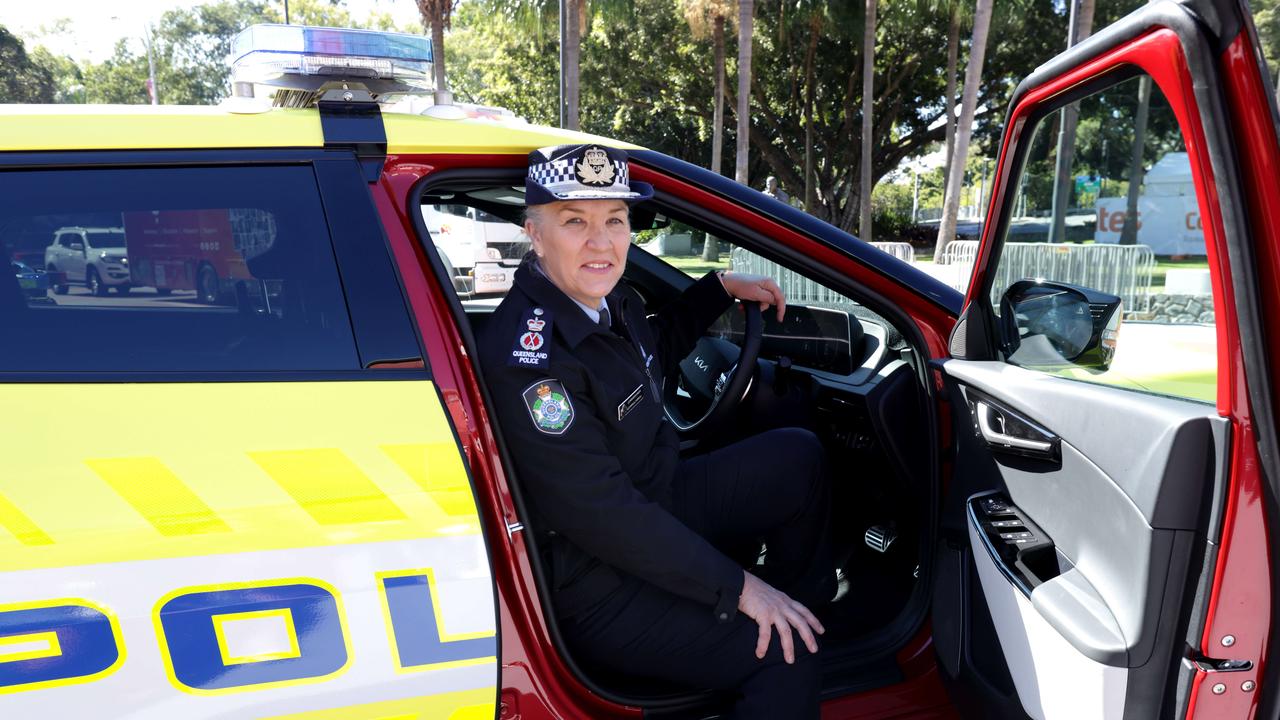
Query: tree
(746, 28)
(647, 81)
(868, 97)
(708, 18)
(22, 79)
(968, 104)
(1129, 234)
(1082, 28)
(1266, 16)
(815, 31)
(436, 15)
(953, 61)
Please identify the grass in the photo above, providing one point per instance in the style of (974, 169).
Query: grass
(695, 266)
(1166, 263)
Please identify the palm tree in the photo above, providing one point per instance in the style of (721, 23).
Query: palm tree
(868, 99)
(954, 11)
(435, 15)
(1082, 27)
(708, 18)
(746, 28)
(964, 129)
(1129, 234)
(953, 61)
(571, 56)
(815, 32)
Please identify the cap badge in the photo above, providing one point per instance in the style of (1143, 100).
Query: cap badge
(595, 168)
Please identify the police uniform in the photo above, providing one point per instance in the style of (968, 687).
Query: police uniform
(636, 541)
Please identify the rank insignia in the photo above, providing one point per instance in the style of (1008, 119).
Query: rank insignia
(529, 349)
(595, 169)
(549, 406)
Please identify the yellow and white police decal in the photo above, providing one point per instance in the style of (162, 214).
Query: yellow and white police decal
(322, 560)
(549, 406)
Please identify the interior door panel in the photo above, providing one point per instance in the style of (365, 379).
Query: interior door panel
(1082, 506)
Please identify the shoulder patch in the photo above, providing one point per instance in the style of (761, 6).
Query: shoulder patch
(529, 349)
(549, 406)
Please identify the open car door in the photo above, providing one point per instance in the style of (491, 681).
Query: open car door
(1104, 547)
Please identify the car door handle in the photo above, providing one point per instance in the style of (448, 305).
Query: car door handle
(1003, 430)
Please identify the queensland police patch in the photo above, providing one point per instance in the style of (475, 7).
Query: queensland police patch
(549, 406)
(531, 338)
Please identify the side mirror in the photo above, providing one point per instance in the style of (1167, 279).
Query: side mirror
(1053, 325)
(78, 247)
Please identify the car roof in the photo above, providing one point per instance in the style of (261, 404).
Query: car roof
(138, 127)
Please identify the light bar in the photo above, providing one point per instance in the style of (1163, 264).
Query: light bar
(304, 58)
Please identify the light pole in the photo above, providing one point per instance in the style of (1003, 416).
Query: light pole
(152, 89)
(564, 12)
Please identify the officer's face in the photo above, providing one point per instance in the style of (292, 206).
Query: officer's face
(582, 245)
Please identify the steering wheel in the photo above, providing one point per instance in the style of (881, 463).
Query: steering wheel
(716, 374)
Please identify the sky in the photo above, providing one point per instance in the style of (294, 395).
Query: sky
(96, 25)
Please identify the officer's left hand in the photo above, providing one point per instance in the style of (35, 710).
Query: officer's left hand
(755, 288)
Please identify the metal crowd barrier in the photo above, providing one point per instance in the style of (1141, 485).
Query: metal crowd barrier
(1124, 270)
(902, 251)
(797, 288)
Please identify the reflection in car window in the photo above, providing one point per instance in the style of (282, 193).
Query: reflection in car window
(170, 269)
(1120, 215)
(106, 238)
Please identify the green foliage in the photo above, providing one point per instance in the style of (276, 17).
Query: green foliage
(647, 80)
(493, 60)
(22, 78)
(891, 211)
(189, 49)
(1104, 142)
(1266, 15)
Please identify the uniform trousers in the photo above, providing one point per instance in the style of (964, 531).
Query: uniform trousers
(769, 487)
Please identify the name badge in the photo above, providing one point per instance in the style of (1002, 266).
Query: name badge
(631, 402)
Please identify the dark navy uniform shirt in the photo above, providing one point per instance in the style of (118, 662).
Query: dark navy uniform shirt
(580, 410)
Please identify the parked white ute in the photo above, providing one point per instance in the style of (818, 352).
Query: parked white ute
(95, 257)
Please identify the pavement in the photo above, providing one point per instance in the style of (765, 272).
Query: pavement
(1177, 360)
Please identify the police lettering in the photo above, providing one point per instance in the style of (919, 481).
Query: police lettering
(66, 641)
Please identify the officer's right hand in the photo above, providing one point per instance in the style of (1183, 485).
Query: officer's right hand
(772, 608)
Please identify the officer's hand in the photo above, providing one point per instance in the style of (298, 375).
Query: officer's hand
(771, 608)
(755, 288)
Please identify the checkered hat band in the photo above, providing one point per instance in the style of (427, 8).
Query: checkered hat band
(561, 172)
(553, 172)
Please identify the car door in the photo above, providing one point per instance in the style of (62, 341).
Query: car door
(73, 257)
(1104, 550)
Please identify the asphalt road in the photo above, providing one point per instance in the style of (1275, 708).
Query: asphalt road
(78, 296)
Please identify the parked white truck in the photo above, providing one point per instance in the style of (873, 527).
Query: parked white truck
(481, 250)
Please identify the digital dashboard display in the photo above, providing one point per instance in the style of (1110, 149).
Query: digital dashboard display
(816, 338)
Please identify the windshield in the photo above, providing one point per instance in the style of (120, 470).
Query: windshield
(106, 239)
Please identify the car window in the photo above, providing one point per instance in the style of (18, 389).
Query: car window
(480, 251)
(106, 238)
(188, 269)
(1125, 221)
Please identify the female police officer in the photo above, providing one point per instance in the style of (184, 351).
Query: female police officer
(634, 538)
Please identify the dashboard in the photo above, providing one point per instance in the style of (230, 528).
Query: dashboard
(829, 341)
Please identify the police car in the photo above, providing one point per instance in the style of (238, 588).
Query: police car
(293, 502)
